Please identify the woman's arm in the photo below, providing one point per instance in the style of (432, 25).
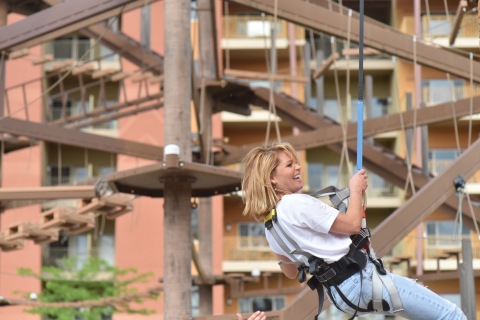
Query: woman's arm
(258, 315)
(351, 222)
(289, 269)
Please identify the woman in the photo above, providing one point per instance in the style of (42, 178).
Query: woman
(272, 180)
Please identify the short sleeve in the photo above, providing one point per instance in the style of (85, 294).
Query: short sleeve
(305, 211)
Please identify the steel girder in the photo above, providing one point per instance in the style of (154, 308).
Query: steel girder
(317, 15)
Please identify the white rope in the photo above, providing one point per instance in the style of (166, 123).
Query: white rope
(271, 101)
(454, 114)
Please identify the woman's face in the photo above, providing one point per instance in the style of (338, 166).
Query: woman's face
(286, 176)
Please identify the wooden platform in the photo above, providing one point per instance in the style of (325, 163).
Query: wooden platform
(150, 180)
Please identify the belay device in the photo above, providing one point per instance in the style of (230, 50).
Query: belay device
(330, 276)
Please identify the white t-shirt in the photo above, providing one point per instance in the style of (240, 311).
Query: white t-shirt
(307, 220)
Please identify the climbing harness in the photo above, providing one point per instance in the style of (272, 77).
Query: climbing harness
(331, 275)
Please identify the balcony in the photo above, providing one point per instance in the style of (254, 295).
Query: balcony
(434, 252)
(53, 256)
(254, 32)
(240, 252)
(80, 49)
(436, 29)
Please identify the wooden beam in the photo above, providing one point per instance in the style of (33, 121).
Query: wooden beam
(253, 75)
(425, 201)
(325, 65)
(42, 59)
(329, 134)
(47, 193)
(331, 18)
(19, 53)
(83, 69)
(462, 7)
(80, 139)
(61, 19)
(356, 51)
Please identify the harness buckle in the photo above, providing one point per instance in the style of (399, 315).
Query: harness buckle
(326, 276)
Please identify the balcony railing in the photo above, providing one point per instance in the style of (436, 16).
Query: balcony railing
(437, 166)
(246, 249)
(435, 26)
(242, 27)
(53, 256)
(433, 247)
(439, 26)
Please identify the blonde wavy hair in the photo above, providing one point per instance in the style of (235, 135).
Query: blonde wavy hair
(259, 196)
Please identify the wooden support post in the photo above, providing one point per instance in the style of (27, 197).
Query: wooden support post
(177, 230)
(467, 281)
(462, 7)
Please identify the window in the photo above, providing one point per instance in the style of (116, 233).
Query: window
(436, 91)
(444, 233)
(72, 47)
(315, 172)
(58, 177)
(145, 27)
(257, 28)
(332, 175)
(380, 187)
(252, 234)
(58, 110)
(253, 304)
(440, 159)
(437, 25)
(195, 301)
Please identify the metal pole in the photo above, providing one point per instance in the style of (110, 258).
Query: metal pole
(360, 92)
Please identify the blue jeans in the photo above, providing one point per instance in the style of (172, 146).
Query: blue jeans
(419, 303)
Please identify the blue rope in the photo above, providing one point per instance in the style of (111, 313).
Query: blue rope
(360, 92)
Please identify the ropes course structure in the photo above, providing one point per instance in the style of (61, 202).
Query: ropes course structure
(277, 103)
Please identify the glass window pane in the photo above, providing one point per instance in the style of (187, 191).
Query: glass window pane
(262, 304)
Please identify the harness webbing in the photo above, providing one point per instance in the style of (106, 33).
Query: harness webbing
(330, 275)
